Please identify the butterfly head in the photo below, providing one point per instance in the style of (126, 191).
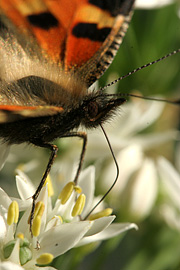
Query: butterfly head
(98, 108)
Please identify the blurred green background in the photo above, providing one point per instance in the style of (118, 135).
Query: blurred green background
(151, 35)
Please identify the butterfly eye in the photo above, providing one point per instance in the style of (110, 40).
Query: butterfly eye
(93, 109)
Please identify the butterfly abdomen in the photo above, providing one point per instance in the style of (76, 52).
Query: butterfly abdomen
(44, 129)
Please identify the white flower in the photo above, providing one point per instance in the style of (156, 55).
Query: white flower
(125, 129)
(137, 186)
(149, 4)
(130, 143)
(170, 179)
(10, 266)
(55, 229)
(16, 249)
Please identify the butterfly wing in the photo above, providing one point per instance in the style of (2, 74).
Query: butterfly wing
(12, 113)
(100, 37)
(81, 36)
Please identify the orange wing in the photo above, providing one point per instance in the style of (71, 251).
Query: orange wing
(12, 113)
(80, 35)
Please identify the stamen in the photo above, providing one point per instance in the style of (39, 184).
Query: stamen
(104, 213)
(61, 219)
(50, 186)
(39, 210)
(45, 258)
(78, 189)
(66, 192)
(20, 236)
(36, 226)
(79, 205)
(13, 213)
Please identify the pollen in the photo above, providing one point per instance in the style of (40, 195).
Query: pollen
(36, 226)
(45, 258)
(50, 186)
(13, 213)
(104, 213)
(66, 192)
(79, 205)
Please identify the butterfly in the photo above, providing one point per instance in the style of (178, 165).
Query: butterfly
(51, 53)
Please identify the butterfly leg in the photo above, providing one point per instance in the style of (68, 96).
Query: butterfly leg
(83, 136)
(54, 150)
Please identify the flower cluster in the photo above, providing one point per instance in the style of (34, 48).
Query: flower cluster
(131, 145)
(56, 229)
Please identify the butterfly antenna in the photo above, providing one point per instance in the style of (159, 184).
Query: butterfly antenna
(174, 102)
(117, 174)
(139, 68)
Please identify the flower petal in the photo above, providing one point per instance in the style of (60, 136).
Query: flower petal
(10, 266)
(3, 226)
(141, 202)
(130, 159)
(87, 183)
(112, 231)
(5, 200)
(171, 216)
(14, 257)
(23, 227)
(145, 111)
(24, 186)
(156, 139)
(152, 3)
(171, 180)
(177, 157)
(99, 225)
(55, 221)
(23, 205)
(60, 239)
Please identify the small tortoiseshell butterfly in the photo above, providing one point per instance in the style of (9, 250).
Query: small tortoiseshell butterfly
(51, 52)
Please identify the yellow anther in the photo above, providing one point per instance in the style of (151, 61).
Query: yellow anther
(39, 209)
(61, 219)
(13, 213)
(104, 213)
(50, 186)
(66, 192)
(45, 258)
(36, 226)
(20, 167)
(78, 189)
(79, 205)
(20, 236)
